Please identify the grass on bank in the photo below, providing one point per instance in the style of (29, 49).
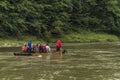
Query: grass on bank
(91, 37)
(69, 38)
(20, 41)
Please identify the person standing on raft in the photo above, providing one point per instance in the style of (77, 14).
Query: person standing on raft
(58, 45)
(29, 46)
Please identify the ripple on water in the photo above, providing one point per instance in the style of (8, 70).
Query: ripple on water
(104, 52)
(18, 78)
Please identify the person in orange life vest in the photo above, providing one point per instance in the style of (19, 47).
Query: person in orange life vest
(25, 48)
(58, 45)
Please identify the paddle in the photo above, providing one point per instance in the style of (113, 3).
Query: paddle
(61, 52)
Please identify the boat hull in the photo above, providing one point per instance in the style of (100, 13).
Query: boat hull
(22, 54)
(37, 54)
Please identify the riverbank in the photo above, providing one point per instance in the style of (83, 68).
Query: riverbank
(90, 37)
(69, 38)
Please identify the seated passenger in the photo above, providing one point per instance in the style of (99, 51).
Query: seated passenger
(44, 48)
(24, 48)
(37, 48)
(48, 50)
(33, 48)
(40, 48)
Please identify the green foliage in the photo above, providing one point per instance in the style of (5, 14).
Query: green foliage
(54, 18)
(91, 37)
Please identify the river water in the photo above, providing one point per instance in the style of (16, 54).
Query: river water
(83, 61)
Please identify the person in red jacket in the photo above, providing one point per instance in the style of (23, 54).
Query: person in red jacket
(58, 45)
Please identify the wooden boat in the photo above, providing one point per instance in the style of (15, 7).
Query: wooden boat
(53, 52)
(22, 54)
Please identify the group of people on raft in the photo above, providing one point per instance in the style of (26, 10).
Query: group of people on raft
(32, 48)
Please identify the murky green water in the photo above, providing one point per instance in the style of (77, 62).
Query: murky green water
(83, 61)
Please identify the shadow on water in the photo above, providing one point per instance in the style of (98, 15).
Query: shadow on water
(98, 61)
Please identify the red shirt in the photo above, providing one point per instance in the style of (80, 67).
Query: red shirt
(44, 47)
(24, 48)
(59, 43)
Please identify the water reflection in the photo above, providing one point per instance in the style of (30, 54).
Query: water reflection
(53, 58)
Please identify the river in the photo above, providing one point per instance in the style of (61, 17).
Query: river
(82, 61)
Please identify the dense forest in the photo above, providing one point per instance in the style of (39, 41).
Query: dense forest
(45, 18)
